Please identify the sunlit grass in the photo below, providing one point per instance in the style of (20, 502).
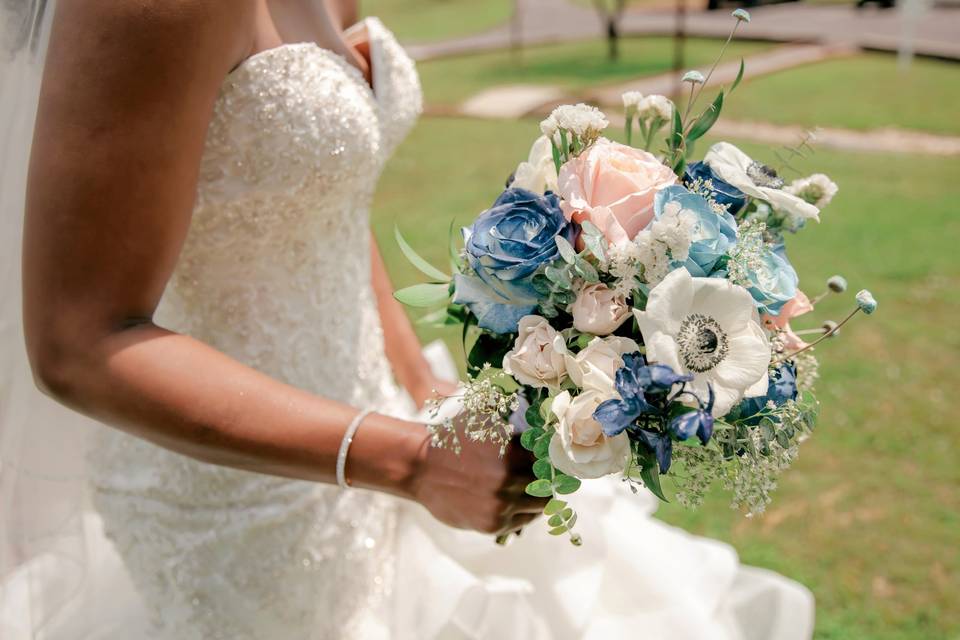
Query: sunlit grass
(572, 66)
(869, 517)
(426, 20)
(868, 91)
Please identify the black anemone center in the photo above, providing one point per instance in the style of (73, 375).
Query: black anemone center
(702, 343)
(707, 341)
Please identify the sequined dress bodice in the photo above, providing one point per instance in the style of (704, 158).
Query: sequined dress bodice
(275, 272)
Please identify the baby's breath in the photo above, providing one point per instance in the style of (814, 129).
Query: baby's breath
(487, 409)
(746, 255)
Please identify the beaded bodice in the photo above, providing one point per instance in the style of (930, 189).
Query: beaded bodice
(275, 272)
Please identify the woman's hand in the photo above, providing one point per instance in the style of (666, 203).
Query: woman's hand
(429, 387)
(477, 488)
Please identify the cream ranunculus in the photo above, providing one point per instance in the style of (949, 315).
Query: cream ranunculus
(537, 357)
(598, 310)
(579, 448)
(595, 367)
(613, 186)
(538, 173)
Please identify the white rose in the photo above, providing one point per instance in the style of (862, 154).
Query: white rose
(538, 173)
(598, 310)
(595, 367)
(537, 356)
(579, 448)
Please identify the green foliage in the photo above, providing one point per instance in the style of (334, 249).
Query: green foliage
(422, 265)
(489, 348)
(423, 295)
(706, 120)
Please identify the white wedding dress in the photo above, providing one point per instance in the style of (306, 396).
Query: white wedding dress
(275, 273)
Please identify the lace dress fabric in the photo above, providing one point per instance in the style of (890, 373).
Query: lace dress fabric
(275, 273)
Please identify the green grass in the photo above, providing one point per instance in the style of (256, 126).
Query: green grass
(864, 92)
(869, 517)
(571, 66)
(426, 20)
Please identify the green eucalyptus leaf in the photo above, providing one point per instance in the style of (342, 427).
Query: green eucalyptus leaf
(586, 271)
(567, 252)
(566, 484)
(545, 409)
(558, 531)
(554, 506)
(529, 438)
(767, 431)
(533, 417)
(542, 448)
(783, 439)
(706, 119)
(541, 284)
(595, 245)
(423, 295)
(543, 469)
(555, 520)
(540, 489)
(425, 267)
(567, 513)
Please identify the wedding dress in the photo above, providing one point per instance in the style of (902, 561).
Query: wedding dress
(275, 273)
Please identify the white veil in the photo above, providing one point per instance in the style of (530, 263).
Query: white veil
(46, 584)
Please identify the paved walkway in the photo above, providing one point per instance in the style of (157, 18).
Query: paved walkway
(544, 21)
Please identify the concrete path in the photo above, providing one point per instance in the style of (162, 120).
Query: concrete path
(779, 59)
(544, 21)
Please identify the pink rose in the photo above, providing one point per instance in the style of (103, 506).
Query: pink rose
(613, 186)
(798, 306)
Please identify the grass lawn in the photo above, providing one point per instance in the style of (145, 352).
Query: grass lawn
(425, 20)
(869, 516)
(864, 92)
(571, 66)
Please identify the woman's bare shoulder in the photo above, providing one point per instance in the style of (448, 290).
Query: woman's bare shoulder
(217, 31)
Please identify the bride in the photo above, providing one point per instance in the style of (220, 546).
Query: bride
(198, 274)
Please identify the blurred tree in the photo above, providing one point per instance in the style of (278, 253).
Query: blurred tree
(611, 12)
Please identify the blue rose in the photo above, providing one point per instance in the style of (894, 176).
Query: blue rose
(722, 192)
(713, 233)
(505, 247)
(782, 388)
(773, 283)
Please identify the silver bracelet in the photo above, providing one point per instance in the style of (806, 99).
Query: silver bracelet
(345, 447)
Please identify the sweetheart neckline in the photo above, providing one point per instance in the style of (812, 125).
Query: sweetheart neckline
(330, 53)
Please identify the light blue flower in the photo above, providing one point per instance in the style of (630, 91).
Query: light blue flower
(773, 281)
(866, 301)
(741, 14)
(505, 247)
(712, 235)
(693, 76)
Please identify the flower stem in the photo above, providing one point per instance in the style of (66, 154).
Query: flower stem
(826, 335)
(717, 61)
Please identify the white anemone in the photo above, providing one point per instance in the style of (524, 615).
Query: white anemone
(707, 327)
(538, 173)
(737, 168)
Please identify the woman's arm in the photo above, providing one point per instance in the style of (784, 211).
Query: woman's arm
(403, 347)
(128, 91)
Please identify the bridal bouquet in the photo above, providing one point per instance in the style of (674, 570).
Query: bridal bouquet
(630, 313)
